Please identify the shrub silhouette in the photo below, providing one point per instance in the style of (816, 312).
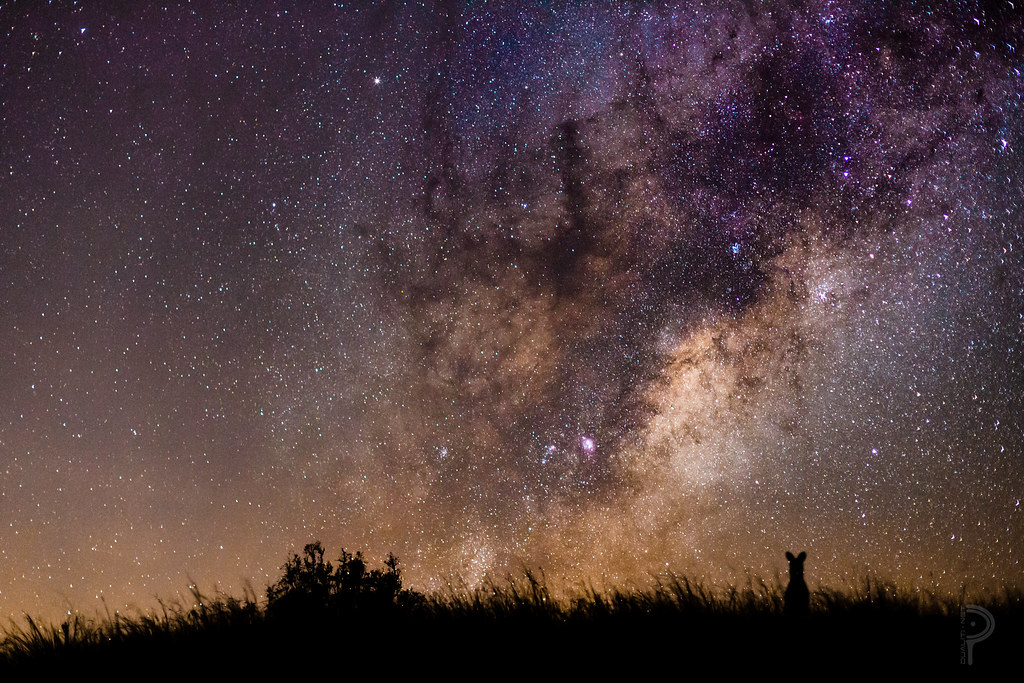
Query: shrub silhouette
(311, 584)
(306, 582)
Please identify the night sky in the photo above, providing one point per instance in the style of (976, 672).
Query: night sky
(607, 289)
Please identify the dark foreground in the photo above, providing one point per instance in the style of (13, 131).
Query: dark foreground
(326, 621)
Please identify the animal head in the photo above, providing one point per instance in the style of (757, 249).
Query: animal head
(796, 564)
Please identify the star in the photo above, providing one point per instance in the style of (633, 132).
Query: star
(584, 272)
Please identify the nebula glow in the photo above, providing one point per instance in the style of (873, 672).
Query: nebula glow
(607, 289)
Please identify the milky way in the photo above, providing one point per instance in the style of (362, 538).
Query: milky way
(609, 290)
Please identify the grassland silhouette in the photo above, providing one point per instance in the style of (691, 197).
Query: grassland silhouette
(364, 620)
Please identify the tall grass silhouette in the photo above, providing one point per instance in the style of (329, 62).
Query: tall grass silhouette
(347, 610)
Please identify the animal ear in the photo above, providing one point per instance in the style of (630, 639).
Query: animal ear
(789, 556)
(802, 556)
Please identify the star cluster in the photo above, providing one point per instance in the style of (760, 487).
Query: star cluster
(606, 289)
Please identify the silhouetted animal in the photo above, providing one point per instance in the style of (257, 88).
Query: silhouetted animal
(797, 597)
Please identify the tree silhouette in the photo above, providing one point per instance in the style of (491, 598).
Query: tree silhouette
(307, 580)
(311, 584)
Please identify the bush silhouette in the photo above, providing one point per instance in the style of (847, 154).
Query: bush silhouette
(311, 584)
